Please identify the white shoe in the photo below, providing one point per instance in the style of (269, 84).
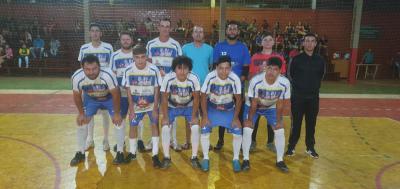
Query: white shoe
(106, 145)
(89, 144)
(175, 146)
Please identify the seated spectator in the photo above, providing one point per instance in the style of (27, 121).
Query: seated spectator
(38, 47)
(54, 46)
(9, 52)
(368, 57)
(23, 55)
(2, 56)
(49, 27)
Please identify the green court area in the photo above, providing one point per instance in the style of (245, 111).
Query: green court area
(64, 83)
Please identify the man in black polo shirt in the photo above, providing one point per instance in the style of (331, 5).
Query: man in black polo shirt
(305, 73)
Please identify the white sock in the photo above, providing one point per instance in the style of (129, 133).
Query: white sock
(173, 133)
(155, 140)
(279, 144)
(106, 123)
(247, 131)
(90, 127)
(81, 134)
(205, 144)
(166, 137)
(237, 142)
(195, 139)
(120, 136)
(132, 145)
(140, 130)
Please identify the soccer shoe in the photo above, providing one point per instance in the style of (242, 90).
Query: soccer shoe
(236, 165)
(166, 163)
(253, 146)
(246, 165)
(119, 158)
(89, 144)
(156, 162)
(205, 165)
(290, 152)
(106, 145)
(79, 157)
(282, 166)
(176, 147)
(219, 145)
(140, 146)
(271, 147)
(130, 157)
(195, 163)
(312, 153)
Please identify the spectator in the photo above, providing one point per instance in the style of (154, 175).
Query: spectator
(23, 55)
(2, 40)
(38, 46)
(396, 64)
(368, 57)
(54, 46)
(2, 56)
(265, 25)
(27, 38)
(9, 52)
(49, 28)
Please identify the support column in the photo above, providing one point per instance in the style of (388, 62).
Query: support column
(355, 38)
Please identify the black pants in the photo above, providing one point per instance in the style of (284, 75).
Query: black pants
(307, 107)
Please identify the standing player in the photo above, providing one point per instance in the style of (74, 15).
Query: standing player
(220, 103)
(142, 81)
(240, 56)
(268, 92)
(99, 89)
(103, 52)
(180, 97)
(257, 65)
(162, 50)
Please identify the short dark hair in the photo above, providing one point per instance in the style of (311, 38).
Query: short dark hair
(275, 61)
(267, 34)
(139, 49)
(90, 59)
(232, 22)
(166, 19)
(310, 35)
(182, 61)
(222, 59)
(126, 33)
(94, 25)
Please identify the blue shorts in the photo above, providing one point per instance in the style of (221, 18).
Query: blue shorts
(221, 118)
(124, 106)
(139, 117)
(269, 114)
(91, 106)
(176, 112)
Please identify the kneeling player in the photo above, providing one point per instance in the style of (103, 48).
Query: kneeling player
(220, 104)
(100, 91)
(180, 97)
(268, 92)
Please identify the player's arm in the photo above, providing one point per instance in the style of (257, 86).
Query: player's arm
(252, 111)
(156, 102)
(238, 106)
(164, 107)
(131, 103)
(279, 113)
(204, 118)
(81, 119)
(116, 98)
(196, 104)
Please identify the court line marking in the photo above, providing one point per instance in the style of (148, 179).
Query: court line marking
(56, 165)
(378, 178)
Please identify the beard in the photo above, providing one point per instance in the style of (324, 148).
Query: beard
(230, 37)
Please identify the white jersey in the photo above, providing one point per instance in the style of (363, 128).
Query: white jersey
(142, 84)
(119, 62)
(221, 92)
(98, 88)
(162, 53)
(268, 94)
(103, 53)
(180, 93)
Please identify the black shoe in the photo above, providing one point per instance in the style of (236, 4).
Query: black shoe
(195, 163)
(79, 157)
(140, 146)
(290, 152)
(119, 158)
(219, 145)
(253, 146)
(156, 162)
(282, 166)
(130, 157)
(312, 153)
(246, 165)
(166, 163)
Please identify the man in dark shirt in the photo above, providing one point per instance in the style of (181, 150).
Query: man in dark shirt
(305, 73)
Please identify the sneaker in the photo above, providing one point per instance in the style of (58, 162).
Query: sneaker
(166, 163)
(119, 158)
(79, 157)
(236, 165)
(195, 163)
(130, 157)
(149, 146)
(253, 146)
(89, 145)
(176, 147)
(312, 153)
(271, 147)
(290, 152)
(205, 165)
(246, 165)
(219, 145)
(282, 166)
(140, 146)
(156, 162)
(106, 145)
